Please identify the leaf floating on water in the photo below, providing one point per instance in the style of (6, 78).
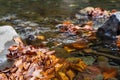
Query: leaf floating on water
(76, 45)
(40, 37)
(67, 22)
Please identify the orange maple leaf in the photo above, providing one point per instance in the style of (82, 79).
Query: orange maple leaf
(109, 73)
(67, 22)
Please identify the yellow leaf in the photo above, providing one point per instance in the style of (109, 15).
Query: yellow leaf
(39, 53)
(70, 74)
(41, 37)
(68, 49)
(63, 76)
(79, 44)
(55, 78)
(80, 66)
(58, 66)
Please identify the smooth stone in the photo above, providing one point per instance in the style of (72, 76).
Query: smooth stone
(28, 23)
(7, 33)
(8, 17)
(111, 28)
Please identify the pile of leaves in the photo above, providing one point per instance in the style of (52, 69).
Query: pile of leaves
(95, 13)
(37, 63)
(71, 29)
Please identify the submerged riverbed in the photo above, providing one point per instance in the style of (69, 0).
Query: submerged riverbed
(33, 9)
(40, 17)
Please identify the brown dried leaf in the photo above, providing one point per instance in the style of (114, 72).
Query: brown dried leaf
(18, 40)
(76, 45)
(70, 74)
(63, 76)
(3, 76)
(58, 66)
(118, 42)
(94, 70)
(80, 66)
(67, 22)
(109, 73)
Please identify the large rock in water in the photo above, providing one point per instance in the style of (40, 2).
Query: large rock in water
(111, 28)
(7, 33)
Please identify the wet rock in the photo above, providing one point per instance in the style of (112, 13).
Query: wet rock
(7, 33)
(28, 23)
(89, 60)
(8, 17)
(97, 15)
(83, 14)
(99, 77)
(110, 28)
(30, 39)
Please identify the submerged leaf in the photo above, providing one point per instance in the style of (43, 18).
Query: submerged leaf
(68, 49)
(78, 44)
(109, 73)
(89, 60)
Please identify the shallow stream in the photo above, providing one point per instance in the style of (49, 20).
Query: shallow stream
(39, 17)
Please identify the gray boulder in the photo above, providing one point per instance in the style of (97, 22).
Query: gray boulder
(111, 28)
(7, 33)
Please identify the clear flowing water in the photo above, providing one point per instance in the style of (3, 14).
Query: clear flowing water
(39, 10)
(36, 8)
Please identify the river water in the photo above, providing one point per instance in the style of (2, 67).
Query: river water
(37, 8)
(36, 13)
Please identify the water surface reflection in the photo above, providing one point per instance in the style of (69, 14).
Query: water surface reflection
(52, 7)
